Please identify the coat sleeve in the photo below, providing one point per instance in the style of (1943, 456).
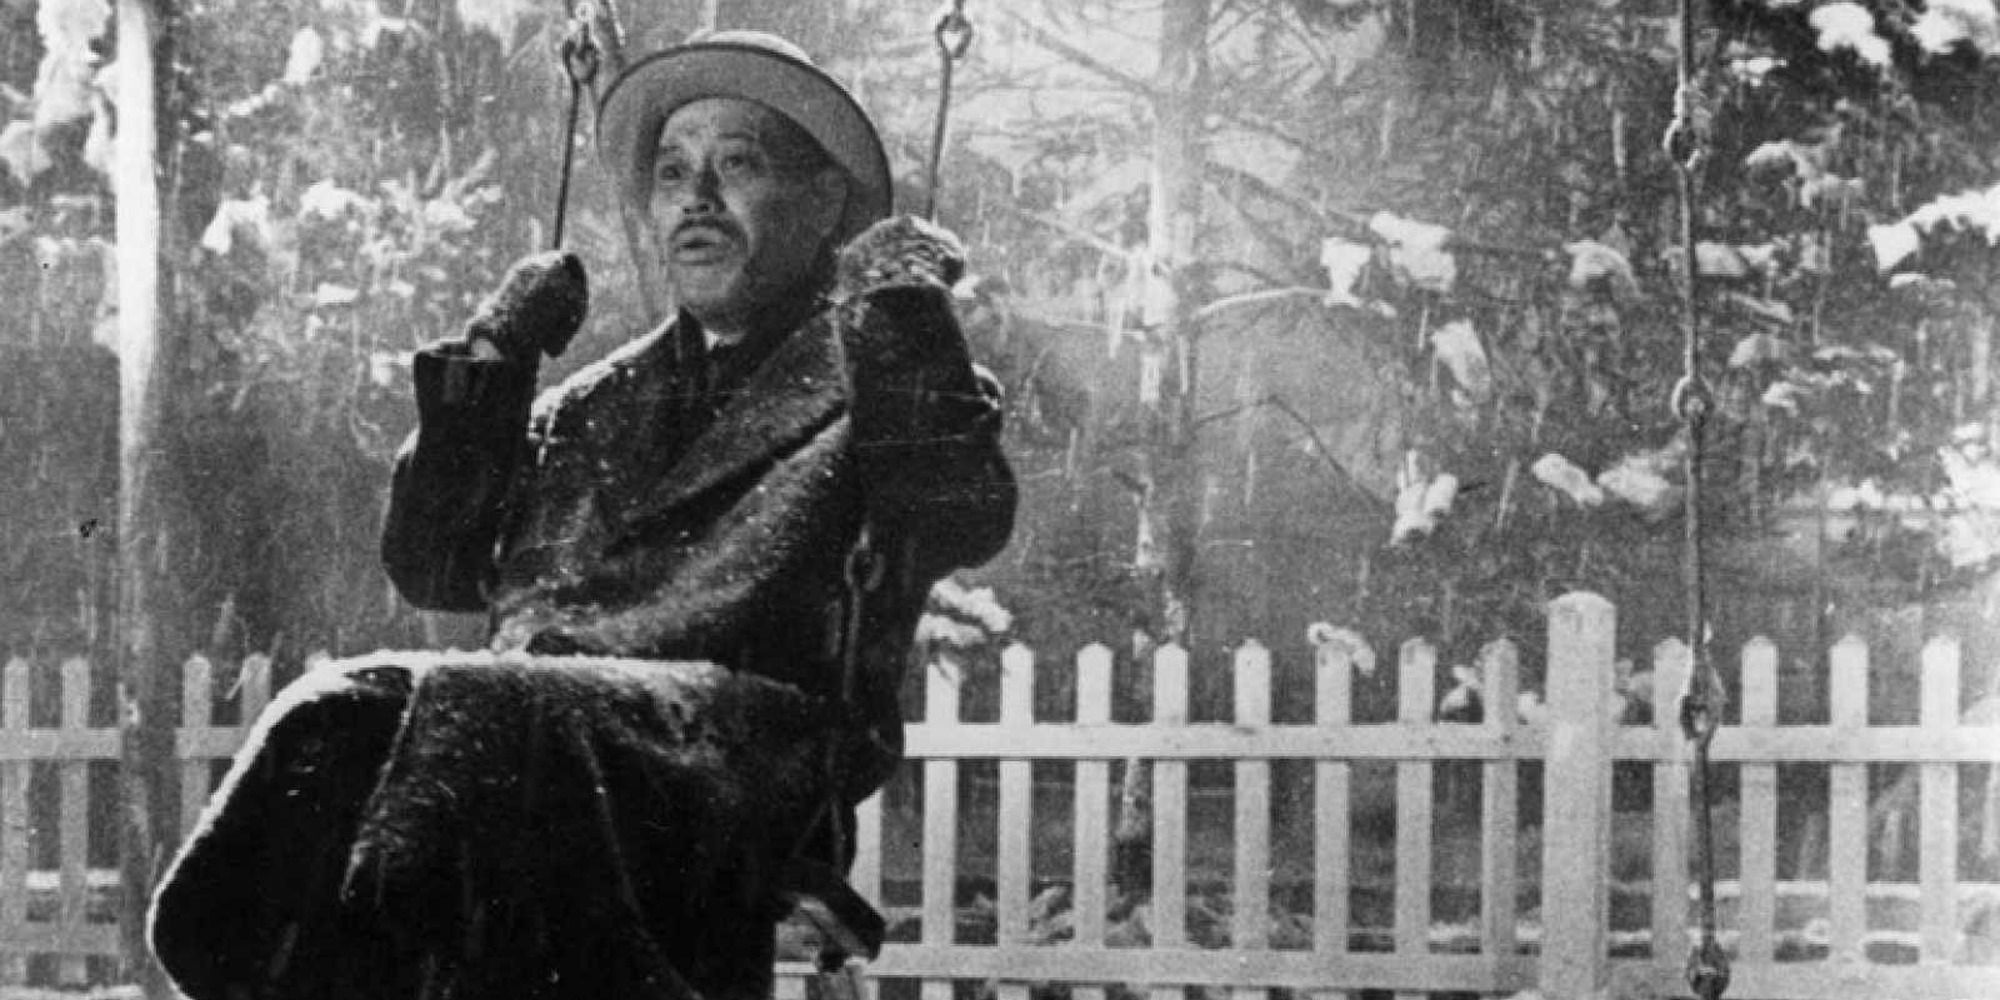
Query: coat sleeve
(927, 428)
(449, 487)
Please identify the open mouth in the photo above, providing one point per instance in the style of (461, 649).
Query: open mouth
(700, 244)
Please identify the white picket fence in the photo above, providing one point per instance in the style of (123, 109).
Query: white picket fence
(1565, 946)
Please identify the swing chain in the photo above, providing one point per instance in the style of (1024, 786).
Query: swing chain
(581, 58)
(1685, 142)
(1702, 700)
(952, 30)
(1701, 704)
(581, 55)
(953, 33)
(1691, 400)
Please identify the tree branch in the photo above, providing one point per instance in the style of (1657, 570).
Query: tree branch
(1082, 236)
(1048, 40)
(1043, 37)
(1258, 297)
(1278, 402)
(1356, 223)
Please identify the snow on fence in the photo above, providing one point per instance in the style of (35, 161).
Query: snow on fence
(1552, 932)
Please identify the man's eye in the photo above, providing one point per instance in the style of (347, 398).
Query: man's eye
(738, 163)
(670, 173)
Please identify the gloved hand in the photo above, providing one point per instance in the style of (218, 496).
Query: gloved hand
(900, 251)
(908, 368)
(893, 287)
(537, 309)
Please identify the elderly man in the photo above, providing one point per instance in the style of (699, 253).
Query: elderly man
(699, 493)
(703, 559)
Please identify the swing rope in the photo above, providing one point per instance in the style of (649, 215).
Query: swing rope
(1701, 700)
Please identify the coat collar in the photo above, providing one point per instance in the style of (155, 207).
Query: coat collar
(793, 395)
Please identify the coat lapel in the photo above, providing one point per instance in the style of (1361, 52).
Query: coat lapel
(796, 393)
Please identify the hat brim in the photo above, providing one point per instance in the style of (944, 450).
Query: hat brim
(636, 107)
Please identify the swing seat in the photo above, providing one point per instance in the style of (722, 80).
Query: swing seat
(511, 825)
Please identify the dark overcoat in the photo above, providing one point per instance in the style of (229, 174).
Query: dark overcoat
(593, 522)
(559, 826)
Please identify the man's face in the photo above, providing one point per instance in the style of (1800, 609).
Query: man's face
(740, 219)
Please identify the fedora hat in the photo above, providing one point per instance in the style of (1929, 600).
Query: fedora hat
(753, 66)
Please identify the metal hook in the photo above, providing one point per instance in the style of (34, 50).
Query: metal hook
(1690, 399)
(581, 58)
(581, 55)
(953, 31)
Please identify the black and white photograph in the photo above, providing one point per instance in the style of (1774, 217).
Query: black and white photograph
(999, 500)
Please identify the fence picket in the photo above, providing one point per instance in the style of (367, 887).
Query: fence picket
(940, 865)
(1170, 812)
(1758, 815)
(789, 988)
(1250, 923)
(1416, 687)
(1937, 858)
(1333, 708)
(1847, 805)
(73, 824)
(253, 686)
(1671, 809)
(1499, 802)
(1011, 863)
(1093, 803)
(1576, 812)
(197, 681)
(866, 873)
(14, 777)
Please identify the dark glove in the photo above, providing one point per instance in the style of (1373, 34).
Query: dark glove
(893, 283)
(537, 309)
(900, 251)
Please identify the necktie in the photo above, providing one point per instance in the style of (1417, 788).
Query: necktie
(719, 369)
